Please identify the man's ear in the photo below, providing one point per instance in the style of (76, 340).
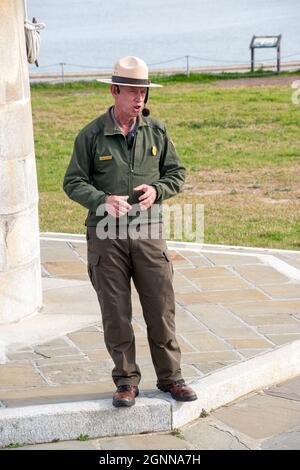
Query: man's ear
(115, 90)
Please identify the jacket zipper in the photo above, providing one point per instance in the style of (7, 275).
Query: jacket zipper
(131, 162)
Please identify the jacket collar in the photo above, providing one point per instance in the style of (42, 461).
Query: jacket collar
(110, 127)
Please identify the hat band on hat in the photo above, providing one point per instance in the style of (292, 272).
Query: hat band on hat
(130, 81)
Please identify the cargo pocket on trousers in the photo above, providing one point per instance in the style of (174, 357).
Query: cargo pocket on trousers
(168, 258)
(93, 260)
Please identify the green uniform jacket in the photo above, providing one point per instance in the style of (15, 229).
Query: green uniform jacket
(102, 164)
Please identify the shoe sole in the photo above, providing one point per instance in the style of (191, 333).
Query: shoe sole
(124, 403)
(191, 398)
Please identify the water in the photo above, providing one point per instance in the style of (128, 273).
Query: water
(93, 33)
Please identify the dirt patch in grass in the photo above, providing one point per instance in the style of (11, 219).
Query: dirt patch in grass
(238, 219)
(259, 81)
(267, 185)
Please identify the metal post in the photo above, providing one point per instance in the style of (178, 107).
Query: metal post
(62, 72)
(252, 59)
(278, 58)
(187, 66)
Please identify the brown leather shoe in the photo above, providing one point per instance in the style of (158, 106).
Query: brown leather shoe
(125, 395)
(179, 390)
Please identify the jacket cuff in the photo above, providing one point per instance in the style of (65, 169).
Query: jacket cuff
(99, 201)
(158, 192)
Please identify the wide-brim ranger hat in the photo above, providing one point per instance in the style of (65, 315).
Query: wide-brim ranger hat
(130, 71)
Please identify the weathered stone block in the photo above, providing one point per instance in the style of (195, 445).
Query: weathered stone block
(2, 244)
(23, 239)
(20, 275)
(20, 292)
(14, 69)
(18, 189)
(16, 135)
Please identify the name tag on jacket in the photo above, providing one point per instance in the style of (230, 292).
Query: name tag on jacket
(105, 157)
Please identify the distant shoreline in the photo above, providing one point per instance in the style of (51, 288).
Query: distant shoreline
(64, 75)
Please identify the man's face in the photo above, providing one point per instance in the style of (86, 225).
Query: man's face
(130, 100)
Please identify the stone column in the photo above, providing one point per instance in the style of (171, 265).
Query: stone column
(20, 272)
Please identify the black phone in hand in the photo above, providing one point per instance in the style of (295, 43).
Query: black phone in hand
(134, 198)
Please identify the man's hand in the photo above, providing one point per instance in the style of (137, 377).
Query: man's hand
(117, 205)
(149, 196)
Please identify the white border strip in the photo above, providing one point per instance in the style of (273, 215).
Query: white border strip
(65, 240)
(233, 247)
(61, 236)
(281, 266)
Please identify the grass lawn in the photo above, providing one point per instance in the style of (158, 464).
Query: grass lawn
(240, 145)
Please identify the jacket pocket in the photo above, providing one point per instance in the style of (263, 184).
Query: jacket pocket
(168, 258)
(93, 260)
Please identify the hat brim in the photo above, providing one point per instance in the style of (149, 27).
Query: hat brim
(109, 81)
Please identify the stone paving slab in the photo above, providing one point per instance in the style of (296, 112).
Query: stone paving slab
(261, 275)
(51, 251)
(206, 273)
(283, 291)
(22, 375)
(261, 416)
(220, 283)
(272, 307)
(221, 259)
(254, 422)
(150, 442)
(284, 338)
(209, 434)
(248, 353)
(289, 390)
(217, 318)
(67, 269)
(285, 441)
(17, 398)
(206, 341)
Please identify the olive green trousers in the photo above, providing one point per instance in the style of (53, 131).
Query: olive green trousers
(112, 263)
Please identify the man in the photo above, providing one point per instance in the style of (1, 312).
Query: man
(121, 159)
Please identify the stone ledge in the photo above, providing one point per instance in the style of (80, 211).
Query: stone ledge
(232, 382)
(66, 421)
(44, 423)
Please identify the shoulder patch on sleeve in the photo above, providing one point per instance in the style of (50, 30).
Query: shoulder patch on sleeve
(161, 127)
(155, 124)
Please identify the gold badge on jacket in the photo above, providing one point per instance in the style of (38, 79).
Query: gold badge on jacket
(105, 157)
(153, 151)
